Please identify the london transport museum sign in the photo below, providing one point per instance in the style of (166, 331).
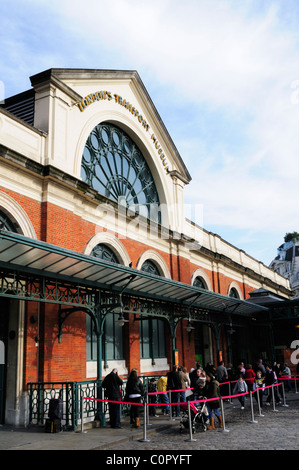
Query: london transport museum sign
(107, 95)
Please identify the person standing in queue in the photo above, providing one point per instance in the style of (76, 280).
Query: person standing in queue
(173, 384)
(211, 392)
(134, 392)
(112, 383)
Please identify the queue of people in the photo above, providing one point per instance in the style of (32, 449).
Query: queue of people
(197, 385)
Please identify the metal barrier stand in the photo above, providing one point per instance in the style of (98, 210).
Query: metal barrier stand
(284, 396)
(223, 418)
(170, 408)
(259, 402)
(144, 423)
(82, 416)
(251, 406)
(191, 439)
(147, 412)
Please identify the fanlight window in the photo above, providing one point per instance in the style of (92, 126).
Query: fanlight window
(114, 166)
(104, 252)
(150, 267)
(234, 293)
(6, 224)
(199, 282)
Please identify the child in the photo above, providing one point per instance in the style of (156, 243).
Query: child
(259, 384)
(241, 387)
(152, 388)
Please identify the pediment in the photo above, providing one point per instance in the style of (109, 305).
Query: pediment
(88, 88)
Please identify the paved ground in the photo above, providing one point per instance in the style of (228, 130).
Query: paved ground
(276, 430)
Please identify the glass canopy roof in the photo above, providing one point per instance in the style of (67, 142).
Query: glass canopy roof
(26, 255)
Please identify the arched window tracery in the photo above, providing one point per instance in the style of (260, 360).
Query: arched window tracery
(114, 166)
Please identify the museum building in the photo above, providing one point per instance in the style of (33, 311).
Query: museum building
(100, 265)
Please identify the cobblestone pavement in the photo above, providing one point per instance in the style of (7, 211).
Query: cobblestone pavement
(276, 430)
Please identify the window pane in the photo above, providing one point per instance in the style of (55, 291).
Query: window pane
(150, 267)
(200, 282)
(118, 340)
(91, 341)
(109, 336)
(161, 340)
(144, 339)
(155, 338)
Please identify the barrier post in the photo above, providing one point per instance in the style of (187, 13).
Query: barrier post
(170, 408)
(222, 413)
(295, 376)
(82, 413)
(259, 402)
(273, 398)
(147, 411)
(251, 406)
(144, 424)
(284, 396)
(230, 392)
(191, 439)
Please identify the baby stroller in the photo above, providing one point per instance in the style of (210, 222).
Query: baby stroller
(199, 417)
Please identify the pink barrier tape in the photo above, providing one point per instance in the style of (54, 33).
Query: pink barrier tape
(113, 401)
(179, 403)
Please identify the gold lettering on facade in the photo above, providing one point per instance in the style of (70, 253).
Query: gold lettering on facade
(107, 95)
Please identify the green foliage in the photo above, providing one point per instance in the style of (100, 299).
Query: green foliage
(291, 236)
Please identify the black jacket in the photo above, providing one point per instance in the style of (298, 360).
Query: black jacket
(211, 391)
(134, 388)
(174, 381)
(112, 383)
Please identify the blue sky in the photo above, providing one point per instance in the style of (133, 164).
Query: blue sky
(223, 75)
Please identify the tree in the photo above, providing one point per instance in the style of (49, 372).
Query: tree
(291, 236)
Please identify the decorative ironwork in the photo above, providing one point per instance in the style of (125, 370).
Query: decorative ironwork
(25, 287)
(71, 393)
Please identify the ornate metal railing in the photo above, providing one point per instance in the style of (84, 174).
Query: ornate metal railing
(70, 394)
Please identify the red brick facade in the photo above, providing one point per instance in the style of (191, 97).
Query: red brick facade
(66, 361)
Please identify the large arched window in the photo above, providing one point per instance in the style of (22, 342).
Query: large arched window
(113, 344)
(114, 166)
(152, 330)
